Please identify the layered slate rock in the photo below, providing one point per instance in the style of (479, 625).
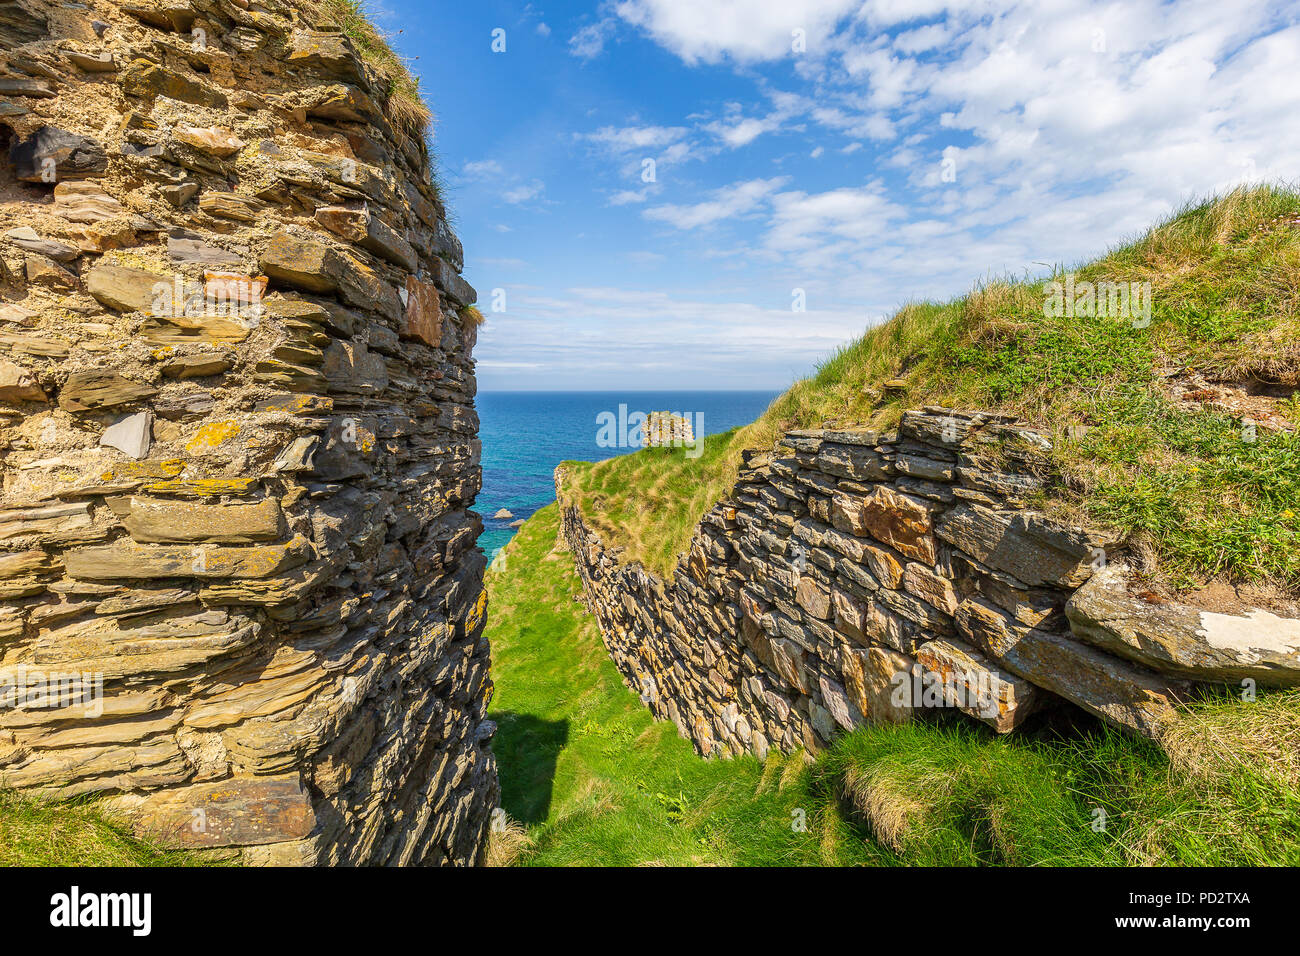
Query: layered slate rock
(1184, 640)
(854, 577)
(239, 590)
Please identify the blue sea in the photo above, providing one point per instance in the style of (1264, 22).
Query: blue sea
(526, 434)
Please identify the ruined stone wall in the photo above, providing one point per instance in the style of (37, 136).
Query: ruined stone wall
(239, 589)
(854, 577)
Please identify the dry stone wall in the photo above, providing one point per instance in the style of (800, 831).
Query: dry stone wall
(239, 589)
(854, 577)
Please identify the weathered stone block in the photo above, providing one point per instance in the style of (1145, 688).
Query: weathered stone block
(892, 518)
(1032, 550)
(1104, 685)
(118, 562)
(18, 384)
(1184, 640)
(159, 520)
(241, 811)
(126, 289)
(878, 682)
(813, 597)
(89, 391)
(972, 684)
(52, 155)
(422, 318)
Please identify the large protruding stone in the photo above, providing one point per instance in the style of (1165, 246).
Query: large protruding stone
(160, 520)
(898, 520)
(243, 811)
(1104, 685)
(52, 155)
(17, 384)
(975, 686)
(1181, 639)
(127, 289)
(1030, 548)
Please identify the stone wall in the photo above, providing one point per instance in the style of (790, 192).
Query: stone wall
(239, 589)
(856, 577)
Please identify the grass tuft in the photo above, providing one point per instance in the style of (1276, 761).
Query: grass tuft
(405, 106)
(74, 833)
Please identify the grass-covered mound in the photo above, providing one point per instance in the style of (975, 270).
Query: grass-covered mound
(588, 777)
(1167, 454)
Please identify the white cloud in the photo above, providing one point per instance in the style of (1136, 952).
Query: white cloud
(736, 130)
(627, 197)
(482, 169)
(589, 42)
(922, 38)
(632, 138)
(524, 192)
(756, 30)
(727, 203)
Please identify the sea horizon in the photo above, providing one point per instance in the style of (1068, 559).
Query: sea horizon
(523, 441)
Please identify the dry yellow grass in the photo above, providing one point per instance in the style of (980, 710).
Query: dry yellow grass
(507, 842)
(1260, 737)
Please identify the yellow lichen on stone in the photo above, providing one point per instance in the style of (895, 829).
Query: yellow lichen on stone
(477, 612)
(211, 435)
(204, 487)
(144, 469)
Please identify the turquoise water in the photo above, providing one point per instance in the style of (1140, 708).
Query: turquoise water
(526, 434)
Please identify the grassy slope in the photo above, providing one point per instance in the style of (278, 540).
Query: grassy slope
(594, 780)
(73, 834)
(1195, 500)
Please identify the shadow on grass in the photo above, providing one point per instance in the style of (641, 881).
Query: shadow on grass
(526, 749)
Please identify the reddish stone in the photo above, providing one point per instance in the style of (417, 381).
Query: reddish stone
(423, 317)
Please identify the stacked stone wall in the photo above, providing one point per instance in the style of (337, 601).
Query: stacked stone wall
(240, 593)
(854, 577)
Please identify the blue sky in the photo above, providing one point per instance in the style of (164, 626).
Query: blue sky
(849, 154)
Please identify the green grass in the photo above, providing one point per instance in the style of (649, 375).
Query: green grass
(1178, 481)
(73, 833)
(593, 778)
(588, 777)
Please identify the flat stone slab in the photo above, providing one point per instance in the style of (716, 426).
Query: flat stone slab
(1113, 689)
(120, 561)
(1185, 640)
(1028, 547)
(87, 391)
(131, 435)
(163, 521)
(242, 811)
